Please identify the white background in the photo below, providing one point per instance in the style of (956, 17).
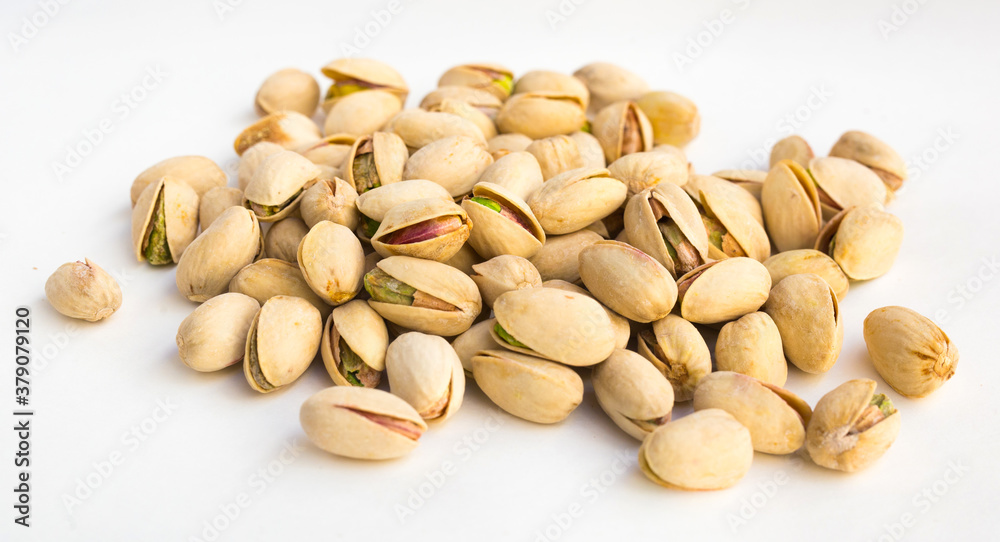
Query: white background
(937, 73)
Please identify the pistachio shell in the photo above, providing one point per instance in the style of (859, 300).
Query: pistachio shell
(361, 113)
(464, 259)
(283, 339)
(845, 183)
(609, 83)
(332, 262)
(276, 188)
(873, 153)
(371, 73)
(559, 256)
(252, 159)
(418, 128)
(865, 241)
(751, 346)
(469, 112)
(330, 199)
(674, 118)
(724, 290)
(388, 155)
(83, 290)
(177, 204)
(211, 261)
(288, 90)
(716, 185)
(475, 339)
(492, 78)
(590, 149)
(361, 423)
(750, 180)
(556, 154)
(215, 201)
(622, 128)
(911, 353)
(425, 371)
(738, 222)
(542, 114)
(482, 100)
(507, 143)
(530, 388)
(198, 172)
(425, 216)
(513, 229)
(678, 351)
(283, 238)
(286, 128)
(269, 277)
(518, 172)
(454, 162)
(642, 170)
(669, 207)
(573, 200)
(330, 151)
(502, 274)
(847, 431)
(621, 326)
(792, 148)
(633, 393)
(214, 336)
(628, 280)
(807, 314)
(551, 81)
(364, 333)
(807, 260)
(376, 202)
(791, 206)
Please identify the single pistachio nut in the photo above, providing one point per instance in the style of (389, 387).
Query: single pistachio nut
(622, 128)
(552, 81)
(556, 154)
(633, 393)
(502, 274)
(911, 353)
(479, 99)
(864, 241)
(540, 114)
(431, 228)
(492, 78)
(288, 90)
(793, 148)
(214, 336)
(851, 427)
(791, 206)
(252, 159)
(842, 183)
(83, 290)
(751, 180)
(375, 203)
(354, 343)
(276, 188)
(676, 348)
(590, 149)
(608, 83)
(283, 237)
(806, 311)
(467, 111)
(361, 113)
(718, 186)
(269, 277)
(575, 199)
(504, 223)
(663, 222)
(642, 170)
(620, 324)
(332, 262)
(874, 154)
(283, 339)
(518, 172)
(628, 280)
(330, 151)
(723, 290)
(472, 341)
(732, 229)
(286, 128)
(530, 388)
(330, 199)
(675, 119)
(425, 371)
(215, 201)
(504, 144)
(419, 128)
(807, 260)
(198, 172)
(354, 75)
(454, 162)
(211, 261)
(751, 346)
(558, 259)
(164, 221)
(361, 423)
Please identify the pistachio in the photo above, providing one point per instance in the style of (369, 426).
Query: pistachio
(332, 262)
(454, 162)
(430, 228)
(676, 349)
(851, 427)
(540, 114)
(464, 259)
(502, 274)
(622, 128)
(283, 238)
(361, 113)
(559, 256)
(664, 223)
(355, 340)
(628, 280)
(732, 230)
(723, 290)
(269, 277)
(211, 261)
(375, 203)
(556, 154)
(792, 148)
(504, 144)
(215, 201)
(330, 199)
(911, 353)
(252, 159)
(492, 78)
(806, 311)
(794, 262)
(355, 75)
(609, 83)
(620, 325)
(276, 188)
(720, 187)
(674, 118)
(425, 371)
(750, 180)
(791, 206)
(283, 339)
(633, 393)
(642, 170)
(517, 172)
(842, 183)
(475, 339)
(286, 128)
(164, 221)
(530, 388)
(874, 154)
(864, 241)
(419, 128)
(198, 172)
(288, 90)
(214, 336)
(506, 224)
(83, 290)
(331, 151)
(481, 102)
(751, 346)
(575, 199)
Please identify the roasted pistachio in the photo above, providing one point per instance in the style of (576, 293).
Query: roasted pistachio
(425, 371)
(723, 290)
(332, 262)
(864, 241)
(806, 311)
(751, 346)
(720, 187)
(214, 336)
(252, 158)
(331, 151)
(454, 162)
(492, 78)
(83, 290)
(283, 339)
(288, 90)
(502, 274)
(664, 223)
(792, 148)
(430, 228)
(706, 450)
(733, 231)
(873, 153)
(559, 256)
(674, 118)
(575, 199)
(354, 343)
(552, 81)
(361, 113)
(530, 388)
(676, 349)
(269, 277)
(542, 114)
(276, 188)
(633, 393)
(504, 223)
(791, 206)
(794, 262)
(472, 341)
(164, 221)
(283, 238)
(621, 326)
(911, 353)
(609, 83)
(628, 280)
(353, 75)
(330, 199)
(504, 144)
(851, 427)
(286, 128)
(622, 128)
(842, 183)
(198, 172)
(215, 201)
(517, 172)
(419, 128)
(211, 261)
(642, 170)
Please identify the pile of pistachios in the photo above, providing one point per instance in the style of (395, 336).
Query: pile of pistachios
(527, 234)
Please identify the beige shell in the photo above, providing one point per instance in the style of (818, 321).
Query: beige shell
(628, 280)
(775, 417)
(620, 324)
(464, 259)
(211, 261)
(425, 371)
(513, 230)
(555, 155)
(482, 100)
(542, 114)
(492, 78)
(376, 202)
(330, 199)
(575, 199)
(214, 336)
(847, 432)
(518, 172)
(332, 262)
(283, 339)
(807, 260)
(283, 238)
(421, 215)
(180, 214)
(389, 155)
(288, 90)
(507, 143)
(911, 353)
(791, 206)
(558, 259)
(436, 279)
(286, 128)
(792, 148)
(475, 339)
(609, 83)
(676, 349)
(554, 324)
(806, 311)
(842, 183)
(739, 222)
(374, 74)
(866, 241)
(724, 290)
(622, 128)
(751, 180)
(751, 346)
(551, 81)
(279, 181)
(716, 185)
(364, 332)
(873, 153)
(675, 119)
(361, 113)
(83, 290)
(633, 393)
(269, 277)
(361, 423)
(330, 151)
(502, 274)
(215, 201)
(418, 128)
(642, 170)
(590, 149)
(469, 112)
(530, 388)
(706, 450)
(198, 172)
(252, 159)
(666, 204)
(454, 162)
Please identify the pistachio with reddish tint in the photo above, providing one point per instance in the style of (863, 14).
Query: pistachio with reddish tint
(674, 118)
(282, 342)
(288, 129)
(807, 314)
(628, 280)
(431, 228)
(751, 346)
(375, 160)
(502, 274)
(874, 154)
(633, 393)
(792, 148)
(622, 128)
(355, 340)
(909, 351)
(425, 371)
(791, 205)
(332, 262)
(353, 75)
(575, 199)
(723, 290)
(492, 78)
(330, 199)
(530, 388)
(504, 223)
(851, 427)
(678, 351)
(664, 223)
(164, 221)
(864, 241)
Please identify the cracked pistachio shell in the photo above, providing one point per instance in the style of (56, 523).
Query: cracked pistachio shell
(872, 153)
(364, 332)
(269, 277)
(252, 159)
(502, 274)
(283, 238)
(622, 128)
(551, 81)
(288, 90)
(541, 114)
(472, 341)
(469, 112)
(330, 199)
(792, 148)
(807, 314)
(361, 423)
(741, 225)
(911, 353)
(211, 261)
(511, 230)
(482, 100)
(609, 83)
(278, 184)
(518, 172)
(807, 260)
(707, 183)
(179, 203)
(504, 144)
(376, 202)
(775, 417)
(842, 183)
(590, 149)
(633, 393)
(864, 241)
(530, 388)
(750, 180)
(454, 162)
(432, 228)
(841, 434)
(556, 154)
(723, 290)
(675, 119)
(706, 450)
(285, 128)
(330, 151)
(751, 346)
(283, 339)
(215, 201)
(198, 172)
(575, 199)
(628, 280)
(559, 257)
(361, 113)
(791, 206)
(554, 324)
(621, 325)
(676, 348)
(332, 262)
(419, 128)
(665, 204)
(83, 290)
(367, 73)
(389, 155)
(486, 77)
(425, 371)
(434, 279)
(214, 336)
(642, 170)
